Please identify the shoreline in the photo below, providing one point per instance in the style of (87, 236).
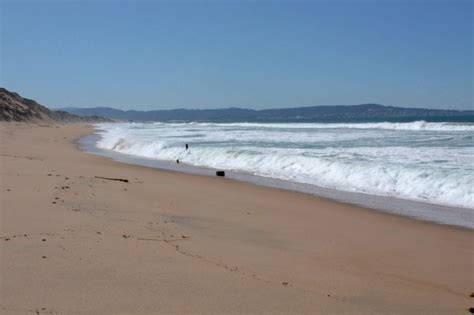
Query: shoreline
(177, 243)
(421, 211)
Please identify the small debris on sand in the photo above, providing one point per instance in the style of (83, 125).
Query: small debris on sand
(116, 179)
(284, 283)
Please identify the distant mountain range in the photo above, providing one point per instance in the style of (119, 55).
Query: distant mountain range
(13, 107)
(372, 112)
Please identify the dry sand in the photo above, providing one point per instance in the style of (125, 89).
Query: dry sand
(175, 243)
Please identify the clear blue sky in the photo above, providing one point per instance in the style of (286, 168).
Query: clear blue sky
(254, 54)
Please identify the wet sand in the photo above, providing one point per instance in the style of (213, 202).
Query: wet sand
(167, 242)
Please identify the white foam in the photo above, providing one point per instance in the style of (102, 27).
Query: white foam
(416, 125)
(436, 166)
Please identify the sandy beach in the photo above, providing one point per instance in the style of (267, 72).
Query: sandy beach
(165, 242)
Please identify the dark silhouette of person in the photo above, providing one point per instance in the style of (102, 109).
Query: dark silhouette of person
(187, 146)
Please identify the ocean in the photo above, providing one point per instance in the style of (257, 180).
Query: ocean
(424, 162)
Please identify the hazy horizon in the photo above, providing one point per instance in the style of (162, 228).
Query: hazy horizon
(221, 108)
(151, 55)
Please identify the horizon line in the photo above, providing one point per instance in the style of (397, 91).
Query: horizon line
(257, 109)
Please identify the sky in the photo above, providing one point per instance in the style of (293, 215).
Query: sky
(254, 54)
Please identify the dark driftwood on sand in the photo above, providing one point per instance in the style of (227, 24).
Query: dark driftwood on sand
(110, 178)
(220, 173)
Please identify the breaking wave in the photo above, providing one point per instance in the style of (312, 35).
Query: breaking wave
(416, 125)
(390, 159)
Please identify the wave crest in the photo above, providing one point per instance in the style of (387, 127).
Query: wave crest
(429, 174)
